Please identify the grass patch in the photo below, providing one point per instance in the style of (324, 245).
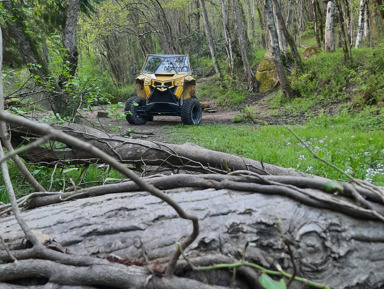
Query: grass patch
(358, 152)
(58, 179)
(225, 95)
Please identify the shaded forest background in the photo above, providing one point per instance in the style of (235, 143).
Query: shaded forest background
(84, 49)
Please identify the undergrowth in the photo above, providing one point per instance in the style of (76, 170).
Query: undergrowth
(59, 179)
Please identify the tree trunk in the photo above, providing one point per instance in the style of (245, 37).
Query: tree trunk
(315, 24)
(329, 39)
(367, 25)
(131, 234)
(189, 157)
(320, 13)
(227, 36)
(65, 104)
(128, 226)
(209, 37)
(29, 54)
(279, 29)
(264, 42)
(380, 8)
(237, 15)
(294, 52)
(348, 23)
(360, 28)
(343, 35)
(70, 35)
(275, 50)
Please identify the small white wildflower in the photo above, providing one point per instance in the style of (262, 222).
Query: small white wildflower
(309, 169)
(349, 171)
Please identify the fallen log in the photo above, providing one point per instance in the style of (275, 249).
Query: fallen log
(124, 235)
(141, 153)
(329, 247)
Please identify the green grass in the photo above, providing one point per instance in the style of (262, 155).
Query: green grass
(357, 152)
(58, 179)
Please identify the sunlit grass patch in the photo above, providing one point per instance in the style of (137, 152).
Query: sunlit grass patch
(359, 153)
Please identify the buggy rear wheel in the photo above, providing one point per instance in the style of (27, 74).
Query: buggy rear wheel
(131, 110)
(191, 112)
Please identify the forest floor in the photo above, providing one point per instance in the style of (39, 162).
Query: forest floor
(213, 114)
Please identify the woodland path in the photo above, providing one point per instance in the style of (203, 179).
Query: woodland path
(154, 131)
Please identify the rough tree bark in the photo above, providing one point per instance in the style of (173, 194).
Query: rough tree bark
(69, 36)
(91, 233)
(286, 88)
(332, 245)
(241, 37)
(329, 39)
(294, 52)
(315, 24)
(279, 29)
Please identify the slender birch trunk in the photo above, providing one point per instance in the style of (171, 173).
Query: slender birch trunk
(275, 50)
(329, 40)
(209, 37)
(360, 29)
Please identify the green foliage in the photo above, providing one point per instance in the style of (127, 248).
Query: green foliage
(326, 81)
(269, 283)
(248, 115)
(59, 179)
(358, 152)
(225, 91)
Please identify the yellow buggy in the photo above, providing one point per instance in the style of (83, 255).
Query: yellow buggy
(165, 86)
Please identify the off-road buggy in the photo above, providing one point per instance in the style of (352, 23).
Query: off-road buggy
(165, 86)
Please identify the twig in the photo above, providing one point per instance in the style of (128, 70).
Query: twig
(302, 280)
(27, 147)
(290, 253)
(46, 130)
(279, 273)
(7, 250)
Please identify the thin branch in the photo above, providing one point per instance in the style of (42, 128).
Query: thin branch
(46, 130)
(25, 148)
(11, 256)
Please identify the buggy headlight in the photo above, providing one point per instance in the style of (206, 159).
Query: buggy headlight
(179, 82)
(147, 81)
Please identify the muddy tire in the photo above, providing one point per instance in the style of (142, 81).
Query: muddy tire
(191, 112)
(131, 107)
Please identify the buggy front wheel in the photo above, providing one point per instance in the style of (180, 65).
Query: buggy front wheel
(131, 110)
(191, 112)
